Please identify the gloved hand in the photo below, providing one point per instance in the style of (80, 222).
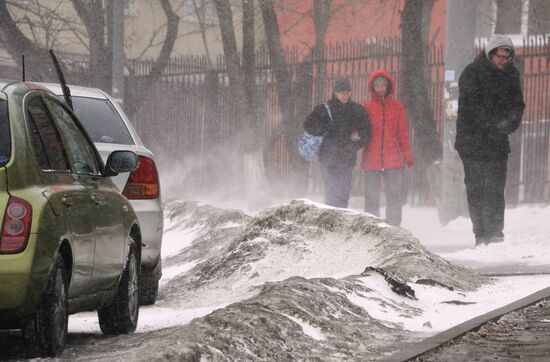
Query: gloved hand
(354, 137)
(506, 126)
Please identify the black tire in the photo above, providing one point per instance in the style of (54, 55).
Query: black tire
(121, 315)
(148, 291)
(46, 331)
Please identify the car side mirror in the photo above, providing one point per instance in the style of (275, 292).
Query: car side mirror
(120, 161)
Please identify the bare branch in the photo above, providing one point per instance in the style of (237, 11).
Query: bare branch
(164, 56)
(203, 28)
(17, 44)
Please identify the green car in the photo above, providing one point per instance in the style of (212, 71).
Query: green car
(70, 242)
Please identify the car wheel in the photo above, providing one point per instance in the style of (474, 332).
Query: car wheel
(46, 331)
(120, 316)
(148, 291)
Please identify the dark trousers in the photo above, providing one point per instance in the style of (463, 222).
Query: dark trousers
(392, 186)
(337, 183)
(485, 181)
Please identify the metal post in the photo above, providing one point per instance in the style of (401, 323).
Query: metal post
(460, 34)
(118, 51)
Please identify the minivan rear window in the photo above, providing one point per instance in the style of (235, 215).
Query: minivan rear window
(5, 139)
(101, 120)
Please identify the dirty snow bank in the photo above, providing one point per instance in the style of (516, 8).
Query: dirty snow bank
(302, 238)
(287, 284)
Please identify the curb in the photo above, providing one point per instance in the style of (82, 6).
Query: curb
(416, 349)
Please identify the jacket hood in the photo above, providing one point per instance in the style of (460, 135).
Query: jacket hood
(381, 73)
(498, 41)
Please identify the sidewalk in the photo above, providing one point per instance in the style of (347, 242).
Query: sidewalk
(521, 335)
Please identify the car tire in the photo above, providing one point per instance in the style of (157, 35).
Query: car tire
(148, 291)
(120, 316)
(46, 331)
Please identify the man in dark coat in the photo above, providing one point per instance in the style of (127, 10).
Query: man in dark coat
(490, 107)
(345, 127)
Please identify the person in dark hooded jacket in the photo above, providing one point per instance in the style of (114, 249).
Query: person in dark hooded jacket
(389, 149)
(490, 107)
(345, 127)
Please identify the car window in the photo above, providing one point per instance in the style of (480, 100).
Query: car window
(46, 141)
(5, 140)
(101, 120)
(79, 148)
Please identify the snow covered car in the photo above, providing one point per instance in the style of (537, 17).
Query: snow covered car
(70, 241)
(110, 130)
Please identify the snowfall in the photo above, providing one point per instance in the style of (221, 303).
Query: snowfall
(300, 280)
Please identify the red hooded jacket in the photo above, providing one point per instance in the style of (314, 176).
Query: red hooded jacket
(389, 143)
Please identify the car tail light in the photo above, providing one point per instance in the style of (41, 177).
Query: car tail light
(143, 182)
(16, 226)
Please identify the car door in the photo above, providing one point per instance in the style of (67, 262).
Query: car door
(68, 199)
(108, 206)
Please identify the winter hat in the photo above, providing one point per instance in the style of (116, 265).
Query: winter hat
(498, 41)
(341, 84)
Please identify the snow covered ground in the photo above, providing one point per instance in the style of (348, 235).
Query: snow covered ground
(526, 246)
(195, 255)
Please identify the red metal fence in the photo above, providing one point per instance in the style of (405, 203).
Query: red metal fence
(535, 133)
(193, 102)
(189, 112)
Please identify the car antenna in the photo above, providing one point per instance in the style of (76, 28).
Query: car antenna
(64, 88)
(23, 65)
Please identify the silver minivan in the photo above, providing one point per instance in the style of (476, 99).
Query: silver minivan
(110, 130)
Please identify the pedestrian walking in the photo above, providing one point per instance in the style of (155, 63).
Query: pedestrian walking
(388, 150)
(490, 107)
(345, 128)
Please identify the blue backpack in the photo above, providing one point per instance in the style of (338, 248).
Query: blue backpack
(309, 144)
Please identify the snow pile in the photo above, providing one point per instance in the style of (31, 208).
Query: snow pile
(301, 281)
(309, 240)
(295, 319)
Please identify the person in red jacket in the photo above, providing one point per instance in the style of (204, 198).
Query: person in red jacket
(388, 149)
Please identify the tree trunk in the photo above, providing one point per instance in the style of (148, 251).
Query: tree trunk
(249, 55)
(37, 64)
(321, 18)
(291, 127)
(202, 26)
(252, 178)
(414, 87)
(93, 16)
(134, 95)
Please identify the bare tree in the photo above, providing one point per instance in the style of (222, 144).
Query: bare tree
(253, 177)
(154, 75)
(43, 24)
(321, 17)
(93, 27)
(200, 13)
(290, 129)
(18, 44)
(414, 86)
(97, 20)
(249, 53)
